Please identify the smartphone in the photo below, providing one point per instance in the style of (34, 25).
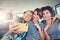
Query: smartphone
(23, 26)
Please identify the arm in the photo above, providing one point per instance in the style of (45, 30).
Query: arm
(56, 16)
(41, 33)
(12, 29)
(46, 34)
(7, 36)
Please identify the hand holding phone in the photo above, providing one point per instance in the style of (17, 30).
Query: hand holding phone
(23, 27)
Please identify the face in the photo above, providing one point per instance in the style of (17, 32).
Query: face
(35, 12)
(27, 16)
(46, 14)
(35, 17)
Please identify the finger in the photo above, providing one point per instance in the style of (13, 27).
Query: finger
(13, 25)
(16, 28)
(18, 32)
(12, 30)
(54, 19)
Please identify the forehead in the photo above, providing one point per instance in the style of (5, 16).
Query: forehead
(46, 11)
(35, 15)
(35, 12)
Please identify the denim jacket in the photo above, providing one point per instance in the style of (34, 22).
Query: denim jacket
(53, 30)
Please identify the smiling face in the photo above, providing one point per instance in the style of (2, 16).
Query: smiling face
(27, 16)
(46, 14)
(35, 17)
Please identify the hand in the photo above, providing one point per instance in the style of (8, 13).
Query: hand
(48, 37)
(42, 35)
(13, 27)
(37, 26)
(56, 16)
(49, 22)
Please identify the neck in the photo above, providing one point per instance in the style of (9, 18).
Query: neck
(35, 21)
(49, 21)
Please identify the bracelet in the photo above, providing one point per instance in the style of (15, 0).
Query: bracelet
(40, 30)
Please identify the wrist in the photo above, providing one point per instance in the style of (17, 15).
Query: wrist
(39, 30)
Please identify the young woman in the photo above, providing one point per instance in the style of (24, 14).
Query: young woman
(37, 12)
(13, 34)
(51, 22)
(35, 32)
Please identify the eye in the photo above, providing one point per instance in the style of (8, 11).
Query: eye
(30, 15)
(47, 13)
(43, 13)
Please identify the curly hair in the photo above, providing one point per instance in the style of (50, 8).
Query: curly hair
(50, 9)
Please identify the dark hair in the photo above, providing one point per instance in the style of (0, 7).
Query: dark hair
(38, 11)
(50, 9)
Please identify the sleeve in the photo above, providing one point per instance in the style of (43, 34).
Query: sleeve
(59, 20)
(53, 27)
(7, 36)
(42, 24)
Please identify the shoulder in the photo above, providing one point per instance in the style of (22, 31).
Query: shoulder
(57, 20)
(30, 22)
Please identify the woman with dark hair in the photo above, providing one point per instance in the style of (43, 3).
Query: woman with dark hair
(37, 11)
(51, 22)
